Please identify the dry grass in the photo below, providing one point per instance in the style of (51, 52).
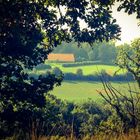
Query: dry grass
(103, 137)
(130, 136)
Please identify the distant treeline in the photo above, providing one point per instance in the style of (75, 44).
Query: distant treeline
(105, 52)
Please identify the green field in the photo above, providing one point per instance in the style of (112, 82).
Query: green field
(89, 69)
(80, 91)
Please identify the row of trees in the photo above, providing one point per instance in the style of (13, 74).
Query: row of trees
(106, 52)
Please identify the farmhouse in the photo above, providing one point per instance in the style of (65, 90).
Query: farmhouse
(61, 57)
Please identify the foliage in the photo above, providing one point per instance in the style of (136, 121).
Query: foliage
(107, 52)
(100, 51)
(95, 77)
(79, 72)
(79, 75)
(57, 72)
(126, 107)
(130, 7)
(42, 67)
(129, 58)
(29, 31)
(60, 118)
(82, 116)
(85, 63)
(90, 69)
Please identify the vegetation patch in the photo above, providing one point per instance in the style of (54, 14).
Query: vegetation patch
(84, 63)
(89, 69)
(79, 91)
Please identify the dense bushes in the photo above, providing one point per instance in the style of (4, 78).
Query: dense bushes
(79, 72)
(103, 51)
(96, 77)
(62, 118)
(42, 67)
(55, 71)
(88, 118)
(85, 63)
(81, 77)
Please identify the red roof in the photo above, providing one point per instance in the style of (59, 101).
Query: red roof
(61, 57)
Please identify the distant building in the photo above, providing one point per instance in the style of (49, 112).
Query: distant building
(61, 57)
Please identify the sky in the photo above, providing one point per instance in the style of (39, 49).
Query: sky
(129, 25)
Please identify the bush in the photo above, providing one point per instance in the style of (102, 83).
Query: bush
(57, 72)
(80, 59)
(79, 72)
(72, 76)
(84, 63)
(43, 67)
(91, 77)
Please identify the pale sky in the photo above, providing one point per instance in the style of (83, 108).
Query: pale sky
(129, 25)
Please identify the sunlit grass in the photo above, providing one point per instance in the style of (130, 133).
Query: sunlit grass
(79, 91)
(89, 69)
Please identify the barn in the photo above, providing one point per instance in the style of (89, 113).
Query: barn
(61, 57)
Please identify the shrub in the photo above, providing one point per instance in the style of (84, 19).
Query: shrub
(43, 67)
(84, 63)
(79, 75)
(72, 76)
(57, 72)
(79, 72)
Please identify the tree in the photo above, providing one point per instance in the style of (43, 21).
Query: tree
(126, 107)
(129, 58)
(107, 52)
(57, 72)
(79, 72)
(92, 55)
(130, 7)
(72, 47)
(29, 31)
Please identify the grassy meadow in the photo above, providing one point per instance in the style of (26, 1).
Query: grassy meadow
(81, 91)
(89, 69)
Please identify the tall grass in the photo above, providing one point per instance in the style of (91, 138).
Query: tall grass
(129, 136)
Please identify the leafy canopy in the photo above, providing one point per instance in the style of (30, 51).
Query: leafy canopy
(29, 30)
(129, 58)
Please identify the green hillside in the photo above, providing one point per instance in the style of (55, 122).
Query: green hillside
(81, 91)
(89, 69)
